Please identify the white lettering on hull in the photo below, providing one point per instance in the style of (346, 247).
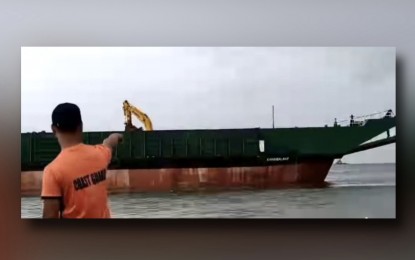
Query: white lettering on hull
(278, 159)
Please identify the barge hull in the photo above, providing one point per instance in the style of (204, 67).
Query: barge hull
(202, 179)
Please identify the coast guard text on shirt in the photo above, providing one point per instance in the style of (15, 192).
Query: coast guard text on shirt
(89, 179)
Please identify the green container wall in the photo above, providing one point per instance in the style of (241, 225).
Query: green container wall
(189, 144)
(42, 148)
(95, 137)
(26, 149)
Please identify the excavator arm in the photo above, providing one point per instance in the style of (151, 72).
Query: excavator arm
(130, 110)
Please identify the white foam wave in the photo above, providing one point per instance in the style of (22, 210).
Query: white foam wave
(363, 185)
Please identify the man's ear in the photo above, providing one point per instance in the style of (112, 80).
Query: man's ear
(53, 129)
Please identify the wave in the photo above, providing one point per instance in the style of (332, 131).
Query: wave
(334, 185)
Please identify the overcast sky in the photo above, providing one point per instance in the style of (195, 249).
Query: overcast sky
(188, 88)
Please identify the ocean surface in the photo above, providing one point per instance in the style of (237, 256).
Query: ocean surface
(354, 191)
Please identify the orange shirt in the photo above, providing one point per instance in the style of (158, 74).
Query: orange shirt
(78, 176)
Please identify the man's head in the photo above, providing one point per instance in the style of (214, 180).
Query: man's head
(66, 120)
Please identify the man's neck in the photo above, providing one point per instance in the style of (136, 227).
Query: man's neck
(68, 142)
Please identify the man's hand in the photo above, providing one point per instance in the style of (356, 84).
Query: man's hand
(113, 140)
(118, 137)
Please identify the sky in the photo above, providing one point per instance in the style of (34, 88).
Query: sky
(210, 87)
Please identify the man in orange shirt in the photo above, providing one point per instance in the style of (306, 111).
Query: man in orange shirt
(74, 183)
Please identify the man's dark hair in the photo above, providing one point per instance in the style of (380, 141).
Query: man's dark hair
(66, 117)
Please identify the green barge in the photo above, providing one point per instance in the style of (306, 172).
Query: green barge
(226, 157)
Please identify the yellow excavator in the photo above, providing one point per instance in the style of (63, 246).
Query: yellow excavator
(143, 117)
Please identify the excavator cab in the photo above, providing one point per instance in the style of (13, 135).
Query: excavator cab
(132, 128)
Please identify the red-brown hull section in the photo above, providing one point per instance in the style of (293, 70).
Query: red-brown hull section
(195, 179)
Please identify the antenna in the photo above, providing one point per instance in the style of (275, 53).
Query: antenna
(273, 124)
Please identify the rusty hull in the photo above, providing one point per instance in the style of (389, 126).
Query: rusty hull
(201, 179)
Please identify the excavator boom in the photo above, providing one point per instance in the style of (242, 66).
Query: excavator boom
(130, 110)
